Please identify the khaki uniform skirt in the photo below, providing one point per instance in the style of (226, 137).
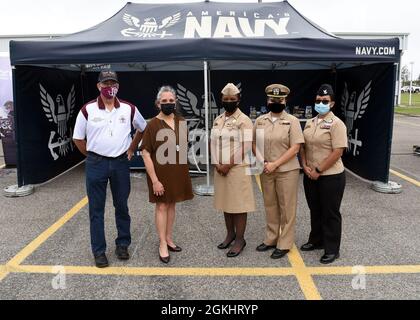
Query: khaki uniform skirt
(234, 193)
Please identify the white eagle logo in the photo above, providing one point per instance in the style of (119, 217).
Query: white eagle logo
(354, 108)
(150, 28)
(59, 112)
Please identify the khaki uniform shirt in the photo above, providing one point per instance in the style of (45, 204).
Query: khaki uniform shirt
(278, 136)
(320, 140)
(229, 134)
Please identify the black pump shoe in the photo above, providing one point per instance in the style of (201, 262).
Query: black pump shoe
(174, 249)
(232, 254)
(225, 246)
(164, 259)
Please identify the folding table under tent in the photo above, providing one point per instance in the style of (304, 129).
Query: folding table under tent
(197, 48)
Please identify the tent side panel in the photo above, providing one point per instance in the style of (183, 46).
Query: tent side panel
(365, 97)
(47, 103)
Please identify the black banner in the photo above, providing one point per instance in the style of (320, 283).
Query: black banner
(140, 88)
(47, 103)
(365, 100)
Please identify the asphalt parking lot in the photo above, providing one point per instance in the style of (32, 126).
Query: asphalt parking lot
(1, 155)
(45, 251)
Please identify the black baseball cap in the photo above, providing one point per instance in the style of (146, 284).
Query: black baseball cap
(107, 75)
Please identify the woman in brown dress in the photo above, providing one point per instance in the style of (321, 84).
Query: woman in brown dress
(164, 150)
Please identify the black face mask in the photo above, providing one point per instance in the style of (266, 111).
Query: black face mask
(276, 107)
(167, 108)
(230, 106)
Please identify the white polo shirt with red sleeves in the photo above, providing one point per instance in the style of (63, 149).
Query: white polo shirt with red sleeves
(107, 132)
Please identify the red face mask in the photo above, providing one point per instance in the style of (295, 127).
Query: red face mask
(109, 92)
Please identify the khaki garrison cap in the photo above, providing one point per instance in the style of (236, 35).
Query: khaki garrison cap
(230, 90)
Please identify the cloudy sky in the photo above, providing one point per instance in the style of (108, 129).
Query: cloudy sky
(61, 17)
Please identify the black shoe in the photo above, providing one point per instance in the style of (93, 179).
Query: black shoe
(122, 253)
(174, 249)
(329, 258)
(311, 247)
(232, 254)
(225, 246)
(164, 259)
(101, 261)
(279, 253)
(263, 247)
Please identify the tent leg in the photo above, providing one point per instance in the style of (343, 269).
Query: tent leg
(207, 189)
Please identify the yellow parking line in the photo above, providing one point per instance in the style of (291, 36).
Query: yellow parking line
(148, 271)
(400, 175)
(392, 269)
(30, 248)
(298, 270)
(3, 272)
(324, 271)
(303, 275)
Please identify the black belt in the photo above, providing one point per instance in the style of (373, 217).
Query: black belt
(123, 155)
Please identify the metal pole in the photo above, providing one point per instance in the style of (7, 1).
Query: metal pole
(411, 82)
(206, 112)
(398, 92)
(207, 189)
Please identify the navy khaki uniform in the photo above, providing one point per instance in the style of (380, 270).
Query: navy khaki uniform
(277, 132)
(325, 194)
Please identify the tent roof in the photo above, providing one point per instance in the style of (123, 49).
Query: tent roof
(202, 31)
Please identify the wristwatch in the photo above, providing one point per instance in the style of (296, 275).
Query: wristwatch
(317, 170)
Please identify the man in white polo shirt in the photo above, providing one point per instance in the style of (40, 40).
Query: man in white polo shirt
(103, 133)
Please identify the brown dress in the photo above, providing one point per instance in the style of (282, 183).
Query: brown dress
(170, 148)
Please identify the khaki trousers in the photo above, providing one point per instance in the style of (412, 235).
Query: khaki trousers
(280, 200)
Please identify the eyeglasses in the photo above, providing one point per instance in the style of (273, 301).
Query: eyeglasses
(318, 101)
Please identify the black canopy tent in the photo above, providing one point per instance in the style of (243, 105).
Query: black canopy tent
(251, 44)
